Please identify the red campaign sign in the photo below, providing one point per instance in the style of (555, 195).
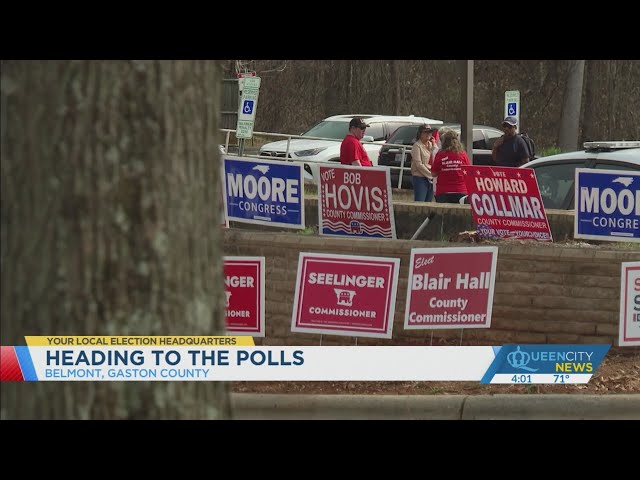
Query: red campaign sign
(345, 295)
(506, 202)
(355, 201)
(244, 295)
(450, 287)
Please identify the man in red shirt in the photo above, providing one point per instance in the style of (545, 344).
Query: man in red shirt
(351, 150)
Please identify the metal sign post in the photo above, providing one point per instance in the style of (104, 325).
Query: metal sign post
(249, 87)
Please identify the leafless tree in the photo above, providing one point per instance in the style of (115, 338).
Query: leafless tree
(109, 223)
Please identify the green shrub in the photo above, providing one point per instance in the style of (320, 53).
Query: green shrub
(545, 152)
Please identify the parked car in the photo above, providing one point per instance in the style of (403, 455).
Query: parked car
(483, 140)
(326, 136)
(556, 173)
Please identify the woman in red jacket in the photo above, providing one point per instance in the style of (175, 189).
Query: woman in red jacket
(450, 186)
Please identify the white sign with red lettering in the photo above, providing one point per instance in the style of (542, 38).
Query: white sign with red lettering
(345, 295)
(630, 305)
(450, 287)
(244, 295)
(506, 202)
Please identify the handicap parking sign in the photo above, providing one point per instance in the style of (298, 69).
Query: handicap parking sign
(247, 107)
(512, 109)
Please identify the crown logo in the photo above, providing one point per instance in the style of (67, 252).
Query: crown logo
(520, 360)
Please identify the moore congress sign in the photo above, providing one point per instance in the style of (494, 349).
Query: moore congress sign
(607, 205)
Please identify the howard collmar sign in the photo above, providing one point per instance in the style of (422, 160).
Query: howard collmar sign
(506, 203)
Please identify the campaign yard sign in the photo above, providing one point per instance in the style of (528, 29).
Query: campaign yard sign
(630, 305)
(450, 287)
(355, 201)
(264, 192)
(607, 205)
(506, 203)
(244, 295)
(345, 295)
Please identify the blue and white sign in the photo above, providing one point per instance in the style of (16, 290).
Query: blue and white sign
(607, 205)
(250, 89)
(247, 107)
(512, 104)
(264, 192)
(559, 364)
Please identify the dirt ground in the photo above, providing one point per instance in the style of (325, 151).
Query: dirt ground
(618, 373)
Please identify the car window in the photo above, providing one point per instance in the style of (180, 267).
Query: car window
(376, 131)
(492, 136)
(556, 182)
(478, 140)
(328, 129)
(404, 135)
(611, 165)
(392, 127)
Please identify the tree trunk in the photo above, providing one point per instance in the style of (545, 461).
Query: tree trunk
(572, 102)
(396, 80)
(109, 223)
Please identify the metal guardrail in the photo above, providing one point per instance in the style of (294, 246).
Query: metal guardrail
(281, 136)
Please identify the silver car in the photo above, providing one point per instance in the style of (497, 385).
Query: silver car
(556, 173)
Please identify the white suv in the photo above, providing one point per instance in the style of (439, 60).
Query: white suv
(326, 136)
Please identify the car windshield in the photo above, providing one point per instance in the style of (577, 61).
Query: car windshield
(328, 129)
(404, 135)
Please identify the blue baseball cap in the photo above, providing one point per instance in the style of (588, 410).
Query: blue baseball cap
(511, 121)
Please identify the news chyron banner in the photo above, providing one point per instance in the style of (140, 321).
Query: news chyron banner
(450, 287)
(630, 305)
(355, 201)
(237, 359)
(506, 202)
(264, 192)
(607, 204)
(345, 295)
(244, 286)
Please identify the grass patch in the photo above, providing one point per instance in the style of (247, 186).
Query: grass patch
(313, 230)
(545, 152)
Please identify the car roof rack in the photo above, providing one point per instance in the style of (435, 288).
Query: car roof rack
(612, 145)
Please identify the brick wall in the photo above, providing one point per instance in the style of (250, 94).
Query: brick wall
(544, 293)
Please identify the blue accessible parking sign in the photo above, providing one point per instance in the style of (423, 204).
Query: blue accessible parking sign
(247, 107)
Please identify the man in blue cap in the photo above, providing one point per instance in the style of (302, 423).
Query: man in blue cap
(510, 150)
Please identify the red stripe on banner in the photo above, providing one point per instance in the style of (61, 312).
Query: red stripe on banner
(9, 366)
